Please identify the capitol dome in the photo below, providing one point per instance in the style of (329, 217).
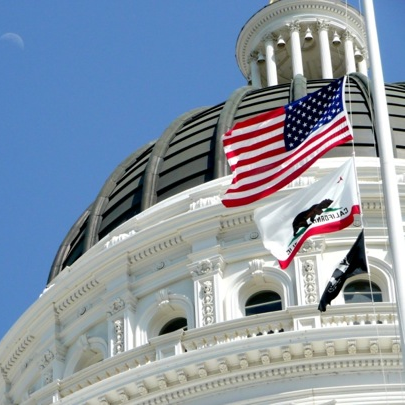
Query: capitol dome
(192, 143)
(189, 153)
(160, 295)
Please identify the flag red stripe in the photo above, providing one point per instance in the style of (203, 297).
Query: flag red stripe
(257, 119)
(236, 202)
(324, 228)
(254, 146)
(252, 134)
(278, 171)
(254, 160)
(292, 157)
(313, 138)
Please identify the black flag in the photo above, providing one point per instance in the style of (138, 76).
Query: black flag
(354, 263)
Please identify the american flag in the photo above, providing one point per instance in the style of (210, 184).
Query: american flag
(268, 151)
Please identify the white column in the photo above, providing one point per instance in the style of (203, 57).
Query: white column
(129, 321)
(326, 60)
(255, 71)
(296, 55)
(349, 53)
(271, 67)
(362, 66)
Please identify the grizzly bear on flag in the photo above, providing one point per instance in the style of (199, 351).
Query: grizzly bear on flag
(301, 220)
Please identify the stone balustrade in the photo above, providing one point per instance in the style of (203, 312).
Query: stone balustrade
(270, 339)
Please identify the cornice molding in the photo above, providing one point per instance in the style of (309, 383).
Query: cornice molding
(191, 377)
(245, 218)
(156, 248)
(76, 295)
(16, 355)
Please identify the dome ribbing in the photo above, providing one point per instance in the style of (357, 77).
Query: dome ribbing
(189, 153)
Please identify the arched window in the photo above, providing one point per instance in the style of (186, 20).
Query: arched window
(174, 324)
(263, 301)
(362, 291)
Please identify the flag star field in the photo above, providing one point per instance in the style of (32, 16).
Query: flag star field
(309, 114)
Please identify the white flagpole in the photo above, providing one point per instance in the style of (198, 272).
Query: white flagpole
(387, 163)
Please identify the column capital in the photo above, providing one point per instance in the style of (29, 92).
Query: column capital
(253, 56)
(269, 37)
(323, 25)
(294, 26)
(115, 306)
(348, 36)
(207, 267)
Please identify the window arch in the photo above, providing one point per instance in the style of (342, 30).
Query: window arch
(263, 301)
(84, 353)
(157, 319)
(251, 282)
(362, 291)
(173, 325)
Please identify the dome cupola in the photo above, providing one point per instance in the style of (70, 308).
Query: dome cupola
(315, 39)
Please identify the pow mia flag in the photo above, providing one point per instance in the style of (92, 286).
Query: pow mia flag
(354, 263)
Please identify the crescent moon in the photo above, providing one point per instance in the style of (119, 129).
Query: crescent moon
(13, 38)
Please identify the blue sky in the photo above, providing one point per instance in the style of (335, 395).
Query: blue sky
(94, 80)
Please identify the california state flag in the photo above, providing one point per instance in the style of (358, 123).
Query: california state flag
(326, 206)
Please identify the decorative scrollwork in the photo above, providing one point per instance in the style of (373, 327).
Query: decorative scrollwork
(119, 336)
(208, 302)
(46, 359)
(117, 305)
(308, 272)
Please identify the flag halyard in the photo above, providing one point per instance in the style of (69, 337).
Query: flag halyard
(268, 151)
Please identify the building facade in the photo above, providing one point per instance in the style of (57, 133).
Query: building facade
(161, 295)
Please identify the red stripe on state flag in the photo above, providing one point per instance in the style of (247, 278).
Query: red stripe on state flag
(327, 228)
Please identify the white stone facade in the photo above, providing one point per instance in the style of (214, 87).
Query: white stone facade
(93, 335)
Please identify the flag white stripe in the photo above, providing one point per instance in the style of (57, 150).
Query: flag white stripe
(272, 183)
(260, 125)
(254, 153)
(280, 144)
(256, 148)
(248, 143)
(320, 144)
